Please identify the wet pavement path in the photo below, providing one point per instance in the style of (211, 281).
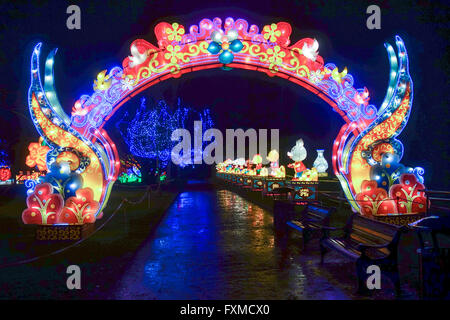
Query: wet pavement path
(213, 244)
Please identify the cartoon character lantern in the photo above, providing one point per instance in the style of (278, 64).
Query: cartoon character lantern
(248, 170)
(228, 165)
(220, 167)
(264, 172)
(273, 157)
(309, 175)
(298, 154)
(239, 163)
(276, 170)
(281, 172)
(257, 160)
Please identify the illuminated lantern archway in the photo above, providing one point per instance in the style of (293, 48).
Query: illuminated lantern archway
(368, 131)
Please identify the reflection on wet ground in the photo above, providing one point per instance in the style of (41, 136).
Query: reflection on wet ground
(213, 244)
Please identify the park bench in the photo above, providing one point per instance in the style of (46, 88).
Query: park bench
(311, 220)
(367, 242)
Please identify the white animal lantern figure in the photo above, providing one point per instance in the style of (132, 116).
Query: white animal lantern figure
(298, 154)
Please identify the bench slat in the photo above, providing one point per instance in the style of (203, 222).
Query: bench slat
(296, 225)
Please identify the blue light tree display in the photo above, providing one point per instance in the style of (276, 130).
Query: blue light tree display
(5, 166)
(207, 123)
(4, 157)
(148, 133)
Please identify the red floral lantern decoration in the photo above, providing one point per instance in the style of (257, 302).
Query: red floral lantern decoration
(409, 195)
(374, 200)
(5, 174)
(43, 205)
(79, 209)
(37, 156)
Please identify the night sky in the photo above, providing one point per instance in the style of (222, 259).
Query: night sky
(238, 98)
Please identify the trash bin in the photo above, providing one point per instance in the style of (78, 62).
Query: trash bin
(434, 272)
(434, 257)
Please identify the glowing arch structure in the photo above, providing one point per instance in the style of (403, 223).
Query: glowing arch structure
(367, 133)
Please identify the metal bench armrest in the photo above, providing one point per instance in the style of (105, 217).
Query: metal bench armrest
(416, 225)
(325, 230)
(419, 228)
(332, 228)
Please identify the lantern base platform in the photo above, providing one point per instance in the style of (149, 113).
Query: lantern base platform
(400, 219)
(73, 232)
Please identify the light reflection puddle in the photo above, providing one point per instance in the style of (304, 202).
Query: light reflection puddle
(214, 244)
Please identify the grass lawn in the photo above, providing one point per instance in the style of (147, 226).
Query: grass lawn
(102, 257)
